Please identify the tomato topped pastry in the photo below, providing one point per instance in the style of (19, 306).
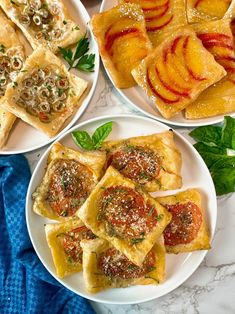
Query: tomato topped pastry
(106, 267)
(177, 71)
(151, 161)
(217, 38)
(123, 41)
(206, 10)
(44, 22)
(69, 179)
(161, 17)
(187, 230)
(120, 212)
(44, 94)
(64, 242)
(11, 63)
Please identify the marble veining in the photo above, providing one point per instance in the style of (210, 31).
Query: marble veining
(211, 289)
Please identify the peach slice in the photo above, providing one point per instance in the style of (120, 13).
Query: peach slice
(149, 5)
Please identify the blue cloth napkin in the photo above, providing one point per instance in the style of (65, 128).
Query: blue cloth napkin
(25, 285)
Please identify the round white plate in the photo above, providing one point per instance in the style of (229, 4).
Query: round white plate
(137, 97)
(23, 137)
(178, 267)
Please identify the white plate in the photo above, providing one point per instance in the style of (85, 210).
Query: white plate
(23, 137)
(179, 267)
(137, 97)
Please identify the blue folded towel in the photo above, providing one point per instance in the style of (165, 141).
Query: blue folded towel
(25, 285)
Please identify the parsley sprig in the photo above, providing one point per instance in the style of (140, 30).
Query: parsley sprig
(79, 59)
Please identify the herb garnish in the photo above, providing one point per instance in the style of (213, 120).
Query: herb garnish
(87, 142)
(15, 84)
(79, 59)
(216, 145)
(13, 2)
(2, 48)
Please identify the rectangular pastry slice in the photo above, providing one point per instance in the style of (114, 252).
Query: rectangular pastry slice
(11, 63)
(43, 22)
(162, 17)
(217, 38)
(64, 242)
(44, 94)
(187, 230)
(151, 161)
(121, 213)
(206, 10)
(123, 41)
(106, 267)
(70, 177)
(177, 71)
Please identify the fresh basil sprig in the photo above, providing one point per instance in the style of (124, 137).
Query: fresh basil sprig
(87, 142)
(216, 145)
(79, 59)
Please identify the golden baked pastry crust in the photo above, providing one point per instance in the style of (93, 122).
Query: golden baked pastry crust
(177, 71)
(96, 281)
(42, 60)
(122, 40)
(202, 240)
(135, 248)
(167, 157)
(93, 161)
(59, 23)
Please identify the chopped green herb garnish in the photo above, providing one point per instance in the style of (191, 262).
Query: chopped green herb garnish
(13, 2)
(65, 22)
(159, 217)
(152, 278)
(151, 269)
(79, 59)
(24, 71)
(15, 84)
(77, 28)
(151, 210)
(2, 48)
(136, 240)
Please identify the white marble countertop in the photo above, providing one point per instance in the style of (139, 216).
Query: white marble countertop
(211, 289)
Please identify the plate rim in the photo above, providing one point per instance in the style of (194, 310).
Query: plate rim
(85, 102)
(216, 119)
(202, 253)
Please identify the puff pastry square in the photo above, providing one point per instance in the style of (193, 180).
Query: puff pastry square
(177, 71)
(105, 267)
(43, 22)
(187, 230)
(219, 98)
(70, 177)
(11, 63)
(151, 161)
(206, 10)
(44, 94)
(64, 242)
(124, 215)
(123, 41)
(162, 17)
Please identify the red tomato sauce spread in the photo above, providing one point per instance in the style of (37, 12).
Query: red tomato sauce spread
(185, 224)
(69, 187)
(137, 163)
(126, 214)
(113, 263)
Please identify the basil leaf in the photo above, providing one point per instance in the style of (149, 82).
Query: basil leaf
(210, 154)
(210, 134)
(83, 139)
(101, 133)
(228, 132)
(224, 180)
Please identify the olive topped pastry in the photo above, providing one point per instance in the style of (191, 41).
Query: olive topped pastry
(44, 94)
(44, 23)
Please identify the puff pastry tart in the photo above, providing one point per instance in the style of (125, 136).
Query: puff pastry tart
(64, 242)
(162, 17)
(44, 94)
(216, 37)
(124, 215)
(43, 22)
(177, 71)
(11, 63)
(206, 10)
(70, 177)
(151, 161)
(106, 267)
(187, 230)
(123, 41)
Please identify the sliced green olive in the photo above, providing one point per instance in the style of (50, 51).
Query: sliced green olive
(28, 10)
(54, 9)
(28, 82)
(58, 106)
(3, 81)
(37, 20)
(56, 33)
(39, 35)
(35, 4)
(62, 96)
(16, 63)
(2, 91)
(26, 94)
(44, 107)
(49, 82)
(62, 83)
(25, 19)
(21, 103)
(43, 93)
(43, 12)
